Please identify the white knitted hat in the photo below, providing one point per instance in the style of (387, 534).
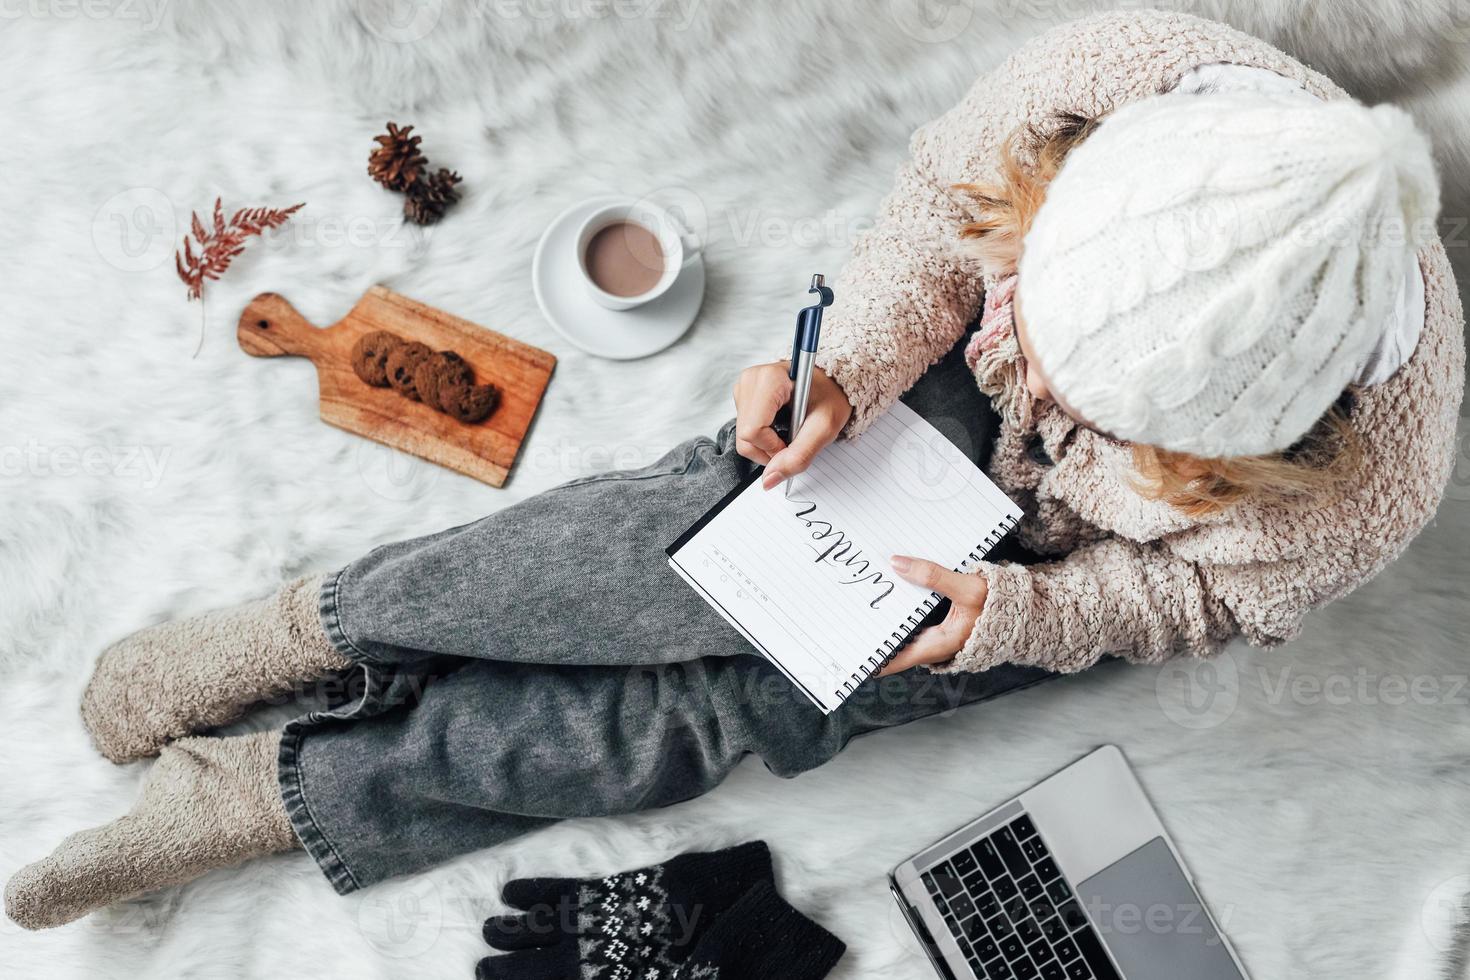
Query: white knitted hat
(1208, 272)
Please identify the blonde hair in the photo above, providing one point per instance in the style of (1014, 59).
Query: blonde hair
(1197, 486)
(1029, 159)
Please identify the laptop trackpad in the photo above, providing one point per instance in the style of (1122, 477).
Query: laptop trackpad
(1151, 919)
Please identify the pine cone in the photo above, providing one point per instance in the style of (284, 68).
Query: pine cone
(431, 196)
(397, 162)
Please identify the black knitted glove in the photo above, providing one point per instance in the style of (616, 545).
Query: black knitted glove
(635, 925)
(761, 937)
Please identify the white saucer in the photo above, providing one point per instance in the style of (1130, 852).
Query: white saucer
(556, 276)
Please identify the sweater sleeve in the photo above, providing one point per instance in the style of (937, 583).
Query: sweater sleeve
(1115, 597)
(902, 300)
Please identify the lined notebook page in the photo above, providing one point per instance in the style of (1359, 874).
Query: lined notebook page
(806, 577)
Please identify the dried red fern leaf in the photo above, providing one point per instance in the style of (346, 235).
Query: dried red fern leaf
(218, 245)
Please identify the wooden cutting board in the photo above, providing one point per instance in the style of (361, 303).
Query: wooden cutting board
(271, 327)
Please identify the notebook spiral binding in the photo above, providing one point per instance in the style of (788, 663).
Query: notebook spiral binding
(889, 649)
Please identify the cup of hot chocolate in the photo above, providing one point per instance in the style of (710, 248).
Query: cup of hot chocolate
(631, 253)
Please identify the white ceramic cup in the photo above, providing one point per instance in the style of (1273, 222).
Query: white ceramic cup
(679, 248)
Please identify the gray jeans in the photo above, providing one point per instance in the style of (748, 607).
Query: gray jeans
(546, 663)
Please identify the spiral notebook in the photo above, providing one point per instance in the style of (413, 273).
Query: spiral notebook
(805, 575)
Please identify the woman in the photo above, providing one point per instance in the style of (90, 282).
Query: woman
(1225, 369)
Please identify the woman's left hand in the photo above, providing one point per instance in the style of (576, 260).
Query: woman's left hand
(938, 643)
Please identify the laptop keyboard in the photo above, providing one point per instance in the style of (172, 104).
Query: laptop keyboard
(1012, 914)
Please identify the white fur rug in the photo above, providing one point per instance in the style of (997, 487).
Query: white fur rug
(1320, 793)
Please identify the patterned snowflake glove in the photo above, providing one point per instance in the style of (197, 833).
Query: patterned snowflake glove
(761, 937)
(635, 925)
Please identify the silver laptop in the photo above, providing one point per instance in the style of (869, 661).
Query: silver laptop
(1074, 879)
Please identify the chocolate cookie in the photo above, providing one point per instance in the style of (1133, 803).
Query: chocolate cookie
(402, 362)
(439, 372)
(470, 403)
(370, 356)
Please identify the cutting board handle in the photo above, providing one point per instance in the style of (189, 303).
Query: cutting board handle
(271, 327)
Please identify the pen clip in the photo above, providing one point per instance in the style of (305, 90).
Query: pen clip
(819, 286)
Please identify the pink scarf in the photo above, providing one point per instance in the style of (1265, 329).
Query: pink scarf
(996, 323)
(994, 355)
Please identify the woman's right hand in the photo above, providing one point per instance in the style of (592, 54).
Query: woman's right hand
(761, 392)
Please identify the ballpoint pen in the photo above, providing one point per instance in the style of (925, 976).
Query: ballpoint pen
(804, 355)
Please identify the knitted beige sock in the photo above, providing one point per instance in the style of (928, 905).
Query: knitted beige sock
(178, 678)
(207, 803)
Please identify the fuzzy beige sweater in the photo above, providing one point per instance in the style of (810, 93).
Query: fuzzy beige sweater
(1135, 578)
